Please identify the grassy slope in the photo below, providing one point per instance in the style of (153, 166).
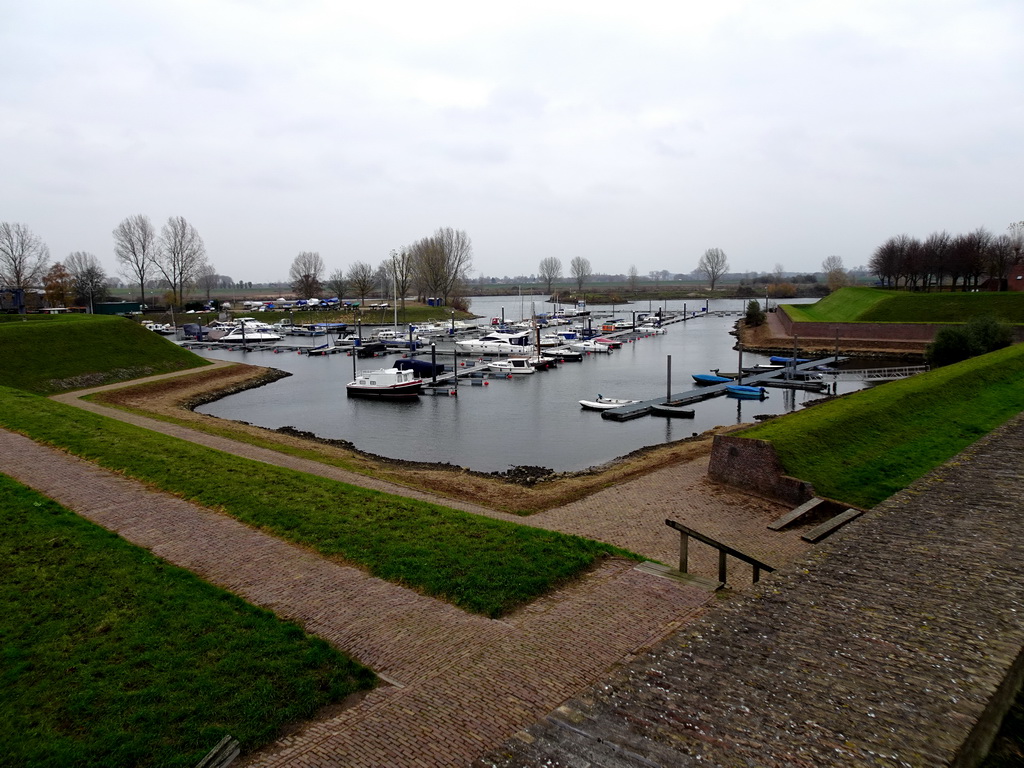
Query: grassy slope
(480, 564)
(864, 447)
(844, 306)
(855, 304)
(110, 656)
(60, 353)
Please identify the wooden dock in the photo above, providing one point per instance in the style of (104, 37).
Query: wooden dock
(766, 378)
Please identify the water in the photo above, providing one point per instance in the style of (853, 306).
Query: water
(527, 420)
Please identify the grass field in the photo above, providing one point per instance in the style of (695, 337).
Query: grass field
(864, 447)
(58, 353)
(480, 564)
(856, 304)
(110, 656)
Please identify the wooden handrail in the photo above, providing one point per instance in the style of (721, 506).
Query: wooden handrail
(723, 550)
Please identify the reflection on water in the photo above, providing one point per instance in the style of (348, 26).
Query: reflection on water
(527, 420)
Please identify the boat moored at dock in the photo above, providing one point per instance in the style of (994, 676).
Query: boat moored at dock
(385, 384)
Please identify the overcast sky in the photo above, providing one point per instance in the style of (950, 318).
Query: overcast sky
(631, 133)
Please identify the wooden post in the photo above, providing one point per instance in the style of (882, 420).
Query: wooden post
(668, 393)
(757, 573)
(433, 363)
(739, 365)
(684, 545)
(721, 566)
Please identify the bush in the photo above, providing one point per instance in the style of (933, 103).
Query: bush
(755, 315)
(978, 336)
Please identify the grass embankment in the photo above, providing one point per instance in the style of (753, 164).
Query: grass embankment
(110, 656)
(49, 354)
(480, 564)
(864, 447)
(863, 305)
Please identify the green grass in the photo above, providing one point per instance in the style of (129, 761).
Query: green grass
(480, 564)
(843, 306)
(864, 447)
(50, 354)
(110, 656)
(862, 305)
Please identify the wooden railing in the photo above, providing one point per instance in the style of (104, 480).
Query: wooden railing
(723, 550)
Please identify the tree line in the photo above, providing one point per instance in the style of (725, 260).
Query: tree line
(436, 266)
(964, 260)
(177, 255)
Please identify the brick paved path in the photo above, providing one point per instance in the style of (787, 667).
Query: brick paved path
(460, 683)
(463, 683)
(897, 642)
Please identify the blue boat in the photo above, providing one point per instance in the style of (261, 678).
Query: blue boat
(709, 378)
(746, 393)
(788, 360)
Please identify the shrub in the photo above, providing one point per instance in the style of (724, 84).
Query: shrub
(755, 315)
(978, 336)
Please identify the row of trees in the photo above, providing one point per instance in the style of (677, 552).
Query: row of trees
(177, 255)
(434, 266)
(962, 259)
(712, 265)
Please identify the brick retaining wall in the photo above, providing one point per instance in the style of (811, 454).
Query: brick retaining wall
(754, 466)
(919, 332)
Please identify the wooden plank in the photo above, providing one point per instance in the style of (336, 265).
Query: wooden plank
(831, 526)
(663, 571)
(794, 515)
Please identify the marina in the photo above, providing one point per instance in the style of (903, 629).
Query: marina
(497, 422)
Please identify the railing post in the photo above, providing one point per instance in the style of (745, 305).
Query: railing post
(684, 546)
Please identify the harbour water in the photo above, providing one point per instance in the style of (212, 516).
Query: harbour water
(523, 421)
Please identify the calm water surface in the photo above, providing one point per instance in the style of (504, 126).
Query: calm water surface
(527, 420)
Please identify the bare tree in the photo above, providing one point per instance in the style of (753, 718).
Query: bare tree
(400, 271)
(88, 278)
(936, 256)
(59, 286)
(1000, 259)
(336, 284)
(361, 278)
(180, 255)
(832, 266)
(135, 248)
(306, 273)
(550, 270)
(23, 256)
(441, 262)
(207, 279)
(712, 265)
(581, 271)
(632, 276)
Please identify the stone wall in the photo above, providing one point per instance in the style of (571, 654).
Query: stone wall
(754, 466)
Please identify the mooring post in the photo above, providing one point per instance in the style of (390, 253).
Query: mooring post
(684, 546)
(739, 365)
(668, 394)
(433, 363)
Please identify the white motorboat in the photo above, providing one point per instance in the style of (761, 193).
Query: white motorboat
(590, 346)
(385, 384)
(605, 403)
(512, 365)
(250, 331)
(496, 343)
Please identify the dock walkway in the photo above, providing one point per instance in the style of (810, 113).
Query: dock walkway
(767, 378)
